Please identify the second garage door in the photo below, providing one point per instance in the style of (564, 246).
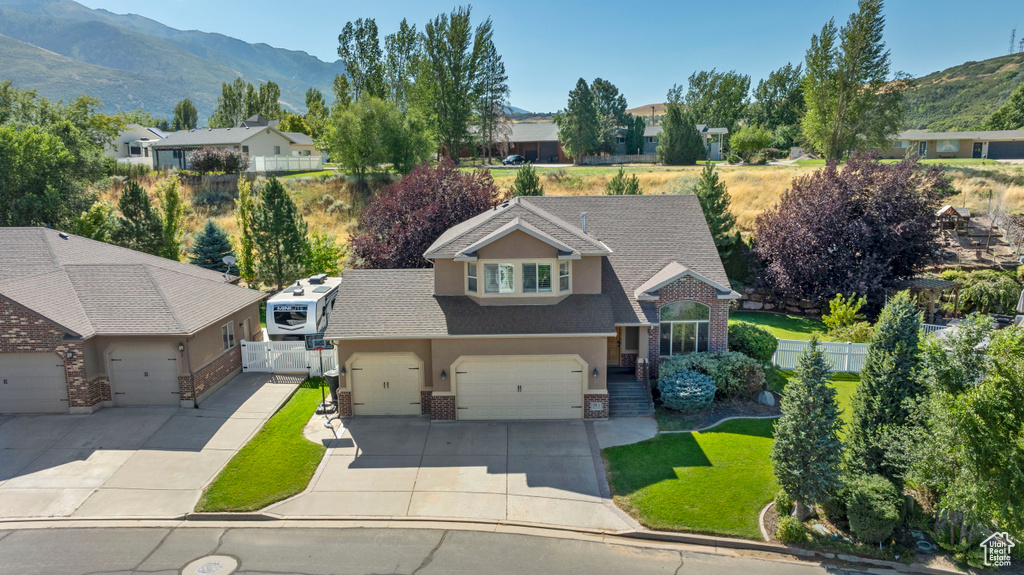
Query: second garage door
(521, 387)
(1006, 150)
(32, 383)
(144, 375)
(386, 384)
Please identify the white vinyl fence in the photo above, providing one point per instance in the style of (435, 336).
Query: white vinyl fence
(313, 163)
(932, 328)
(284, 357)
(844, 357)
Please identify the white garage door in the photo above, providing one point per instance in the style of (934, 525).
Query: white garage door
(144, 375)
(32, 383)
(385, 384)
(521, 387)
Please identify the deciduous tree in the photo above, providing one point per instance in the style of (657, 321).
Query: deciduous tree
(359, 49)
(172, 215)
(246, 253)
(579, 126)
(186, 117)
(317, 113)
(852, 101)
(325, 254)
(635, 129)
(279, 236)
(403, 220)
(779, 99)
(1009, 116)
(611, 112)
(402, 59)
(718, 99)
(750, 139)
(372, 132)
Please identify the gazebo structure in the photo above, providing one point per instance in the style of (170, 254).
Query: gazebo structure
(932, 289)
(950, 217)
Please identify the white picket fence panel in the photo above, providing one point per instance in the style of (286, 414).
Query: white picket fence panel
(285, 357)
(931, 328)
(843, 357)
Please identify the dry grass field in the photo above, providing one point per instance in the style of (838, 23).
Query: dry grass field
(331, 203)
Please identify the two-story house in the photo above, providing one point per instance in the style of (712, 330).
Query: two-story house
(528, 305)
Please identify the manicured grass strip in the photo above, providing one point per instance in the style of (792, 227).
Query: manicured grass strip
(780, 325)
(845, 385)
(276, 464)
(311, 174)
(714, 481)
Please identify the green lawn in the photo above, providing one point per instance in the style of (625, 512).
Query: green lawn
(713, 481)
(844, 383)
(780, 325)
(276, 464)
(311, 174)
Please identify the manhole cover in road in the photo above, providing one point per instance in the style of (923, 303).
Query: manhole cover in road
(213, 565)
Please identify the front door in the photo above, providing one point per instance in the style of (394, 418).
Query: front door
(922, 149)
(976, 153)
(615, 347)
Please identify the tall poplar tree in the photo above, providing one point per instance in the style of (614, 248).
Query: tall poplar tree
(244, 206)
(172, 215)
(579, 126)
(279, 233)
(359, 49)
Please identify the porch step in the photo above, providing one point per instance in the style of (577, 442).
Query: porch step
(629, 399)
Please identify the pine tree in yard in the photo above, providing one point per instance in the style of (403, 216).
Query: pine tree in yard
(888, 379)
(210, 247)
(279, 233)
(807, 453)
(579, 125)
(620, 185)
(139, 226)
(714, 200)
(527, 183)
(679, 144)
(246, 247)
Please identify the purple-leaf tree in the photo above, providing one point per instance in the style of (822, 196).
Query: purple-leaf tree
(405, 218)
(862, 229)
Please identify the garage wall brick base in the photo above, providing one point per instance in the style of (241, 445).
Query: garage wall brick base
(595, 406)
(425, 396)
(209, 378)
(442, 408)
(344, 403)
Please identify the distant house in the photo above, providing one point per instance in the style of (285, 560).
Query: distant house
(263, 144)
(991, 144)
(132, 145)
(258, 121)
(712, 138)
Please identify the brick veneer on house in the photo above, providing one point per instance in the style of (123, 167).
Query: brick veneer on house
(692, 290)
(344, 403)
(442, 407)
(27, 332)
(425, 395)
(589, 401)
(210, 374)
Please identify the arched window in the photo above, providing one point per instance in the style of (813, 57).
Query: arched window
(684, 328)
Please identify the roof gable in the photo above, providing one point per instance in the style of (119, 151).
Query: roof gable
(517, 224)
(668, 274)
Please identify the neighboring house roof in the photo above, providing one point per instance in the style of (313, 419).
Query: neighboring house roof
(91, 288)
(702, 128)
(646, 241)
(399, 304)
(962, 212)
(465, 238)
(299, 138)
(970, 135)
(534, 132)
(257, 121)
(217, 137)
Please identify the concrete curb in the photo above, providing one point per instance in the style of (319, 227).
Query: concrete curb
(760, 521)
(721, 421)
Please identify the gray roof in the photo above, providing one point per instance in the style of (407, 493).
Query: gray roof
(962, 212)
(931, 283)
(702, 128)
(969, 135)
(534, 132)
(647, 237)
(208, 137)
(91, 288)
(298, 138)
(391, 304)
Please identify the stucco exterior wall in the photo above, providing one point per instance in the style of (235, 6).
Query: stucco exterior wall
(586, 275)
(593, 350)
(517, 245)
(450, 277)
(262, 144)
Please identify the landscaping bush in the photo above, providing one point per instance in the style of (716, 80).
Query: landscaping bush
(234, 161)
(759, 159)
(783, 503)
(734, 159)
(752, 341)
(844, 312)
(986, 291)
(859, 332)
(1020, 274)
(790, 530)
(835, 507)
(205, 160)
(687, 391)
(735, 375)
(873, 507)
(212, 197)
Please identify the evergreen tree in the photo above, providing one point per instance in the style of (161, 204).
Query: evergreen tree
(527, 183)
(173, 215)
(621, 185)
(186, 117)
(244, 206)
(635, 135)
(679, 143)
(1009, 116)
(714, 200)
(888, 380)
(579, 125)
(279, 233)
(807, 453)
(210, 247)
(139, 226)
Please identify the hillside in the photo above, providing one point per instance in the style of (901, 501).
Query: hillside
(186, 63)
(964, 96)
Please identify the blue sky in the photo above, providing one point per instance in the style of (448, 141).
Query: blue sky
(641, 47)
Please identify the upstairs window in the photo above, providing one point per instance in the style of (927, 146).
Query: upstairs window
(563, 276)
(536, 278)
(471, 277)
(684, 328)
(499, 278)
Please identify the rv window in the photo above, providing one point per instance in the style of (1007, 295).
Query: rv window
(290, 315)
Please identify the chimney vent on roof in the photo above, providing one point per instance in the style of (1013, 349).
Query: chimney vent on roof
(584, 216)
(62, 235)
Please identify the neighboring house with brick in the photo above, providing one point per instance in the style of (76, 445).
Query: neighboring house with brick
(991, 144)
(527, 307)
(84, 325)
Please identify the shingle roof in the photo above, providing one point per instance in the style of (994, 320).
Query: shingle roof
(298, 138)
(969, 135)
(92, 288)
(208, 137)
(962, 212)
(391, 304)
(534, 132)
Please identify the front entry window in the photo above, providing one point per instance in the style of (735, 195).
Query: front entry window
(499, 278)
(684, 328)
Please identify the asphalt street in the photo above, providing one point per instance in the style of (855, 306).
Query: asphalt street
(360, 551)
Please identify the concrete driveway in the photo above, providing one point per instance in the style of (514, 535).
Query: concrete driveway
(530, 472)
(130, 462)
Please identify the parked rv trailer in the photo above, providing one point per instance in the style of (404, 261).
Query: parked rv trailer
(302, 308)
